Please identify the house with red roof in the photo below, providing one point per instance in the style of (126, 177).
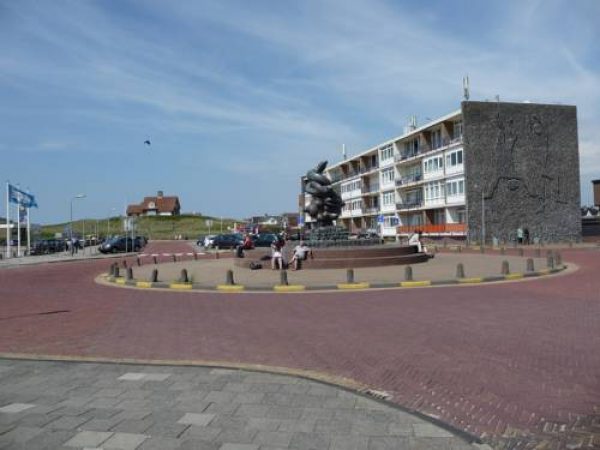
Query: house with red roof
(160, 205)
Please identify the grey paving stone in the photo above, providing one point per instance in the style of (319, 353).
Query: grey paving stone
(388, 443)
(333, 426)
(310, 441)
(15, 408)
(172, 430)
(350, 443)
(49, 439)
(88, 439)
(222, 408)
(263, 424)
(249, 397)
(160, 443)
(252, 410)
(101, 424)
(273, 438)
(201, 433)
(133, 426)
(284, 412)
(197, 444)
(19, 435)
(229, 446)
(132, 376)
(67, 422)
(237, 436)
(230, 422)
(124, 441)
(429, 430)
(196, 419)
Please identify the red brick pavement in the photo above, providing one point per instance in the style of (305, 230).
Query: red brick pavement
(488, 359)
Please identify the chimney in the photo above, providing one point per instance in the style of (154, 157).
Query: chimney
(160, 194)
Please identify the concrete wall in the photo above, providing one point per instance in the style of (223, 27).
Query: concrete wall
(525, 159)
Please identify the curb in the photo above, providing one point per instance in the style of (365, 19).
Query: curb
(300, 288)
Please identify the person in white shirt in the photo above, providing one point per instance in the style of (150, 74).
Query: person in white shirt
(300, 254)
(415, 239)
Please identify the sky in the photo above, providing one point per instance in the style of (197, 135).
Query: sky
(239, 99)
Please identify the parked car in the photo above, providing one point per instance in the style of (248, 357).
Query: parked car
(206, 241)
(264, 239)
(227, 240)
(140, 241)
(119, 244)
(47, 246)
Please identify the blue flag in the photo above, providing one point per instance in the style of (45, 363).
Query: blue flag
(16, 195)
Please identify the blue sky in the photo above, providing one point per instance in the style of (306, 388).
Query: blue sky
(240, 98)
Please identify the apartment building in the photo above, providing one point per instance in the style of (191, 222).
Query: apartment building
(482, 172)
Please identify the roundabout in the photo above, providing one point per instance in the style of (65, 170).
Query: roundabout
(513, 364)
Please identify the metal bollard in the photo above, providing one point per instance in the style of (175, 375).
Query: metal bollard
(530, 267)
(229, 278)
(183, 278)
(445, 243)
(155, 259)
(174, 257)
(139, 263)
(217, 252)
(129, 273)
(408, 273)
(350, 275)
(154, 276)
(460, 270)
(550, 262)
(124, 264)
(505, 268)
(111, 270)
(283, 278)
(195, 256)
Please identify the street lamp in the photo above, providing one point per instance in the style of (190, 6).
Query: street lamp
(71, 221)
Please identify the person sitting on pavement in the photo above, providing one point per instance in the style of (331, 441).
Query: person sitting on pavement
(415, 239)
(300, 254)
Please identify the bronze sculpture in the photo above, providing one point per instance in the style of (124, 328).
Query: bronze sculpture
(326, 204)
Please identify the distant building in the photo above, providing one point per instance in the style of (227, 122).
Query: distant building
(156, 206)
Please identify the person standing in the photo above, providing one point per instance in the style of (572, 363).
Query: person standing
(520, 236)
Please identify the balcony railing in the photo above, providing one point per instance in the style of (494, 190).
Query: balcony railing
(410, 204)
(433, 229)
(371, 210)
(366, 169)
(408, 179)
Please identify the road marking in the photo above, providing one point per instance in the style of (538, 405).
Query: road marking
(180, 286)
(513, 276)
(470, 280)
(289, 288)
(143, 284)
(353, 286)
(230, 287)
(415, 283)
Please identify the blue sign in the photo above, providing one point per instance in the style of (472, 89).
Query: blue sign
(380, 219)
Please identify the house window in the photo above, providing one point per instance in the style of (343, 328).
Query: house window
(387, 152)
(458, 129)
(454, 159)
(433, 164)
(387, 175)
(390, 221)
(436, 139)
(388, 198)
(455, 187)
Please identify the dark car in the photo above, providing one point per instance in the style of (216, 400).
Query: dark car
(119, 244)
(48, 246)
(140, 241)
(227, 240)
(264, 239)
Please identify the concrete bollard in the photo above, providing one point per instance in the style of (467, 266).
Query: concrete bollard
(283, 278)
(350, 275)
(408, 273)
(130, 273)
(550, 262)
(538, 253)
(505, 268)
(155, 259)
(521, 251)
(183, 278)
(558, 259)
(154, 276)
(116, 272)
(530, 267)
(460, 270)
(229, 278)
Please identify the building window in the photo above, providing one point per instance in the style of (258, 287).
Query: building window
(433, 164)
(386, 152)
(390, 221)
(455, 187)
(436, 139)
(454, 159)
(387, 176)
(434, 191)
(388, 198)
(411, 148)
(458, 129)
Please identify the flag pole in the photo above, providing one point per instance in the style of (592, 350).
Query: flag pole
(28, 232)
(8, 236)
(19, 230)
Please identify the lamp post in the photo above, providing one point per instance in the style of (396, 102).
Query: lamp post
(71, 220)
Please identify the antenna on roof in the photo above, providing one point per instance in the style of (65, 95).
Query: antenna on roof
(497, 98)
(466, 93)
(343, 151)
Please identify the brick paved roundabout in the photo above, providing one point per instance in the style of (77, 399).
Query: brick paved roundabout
(515, 364)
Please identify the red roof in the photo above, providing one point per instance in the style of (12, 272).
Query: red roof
(158, 204)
